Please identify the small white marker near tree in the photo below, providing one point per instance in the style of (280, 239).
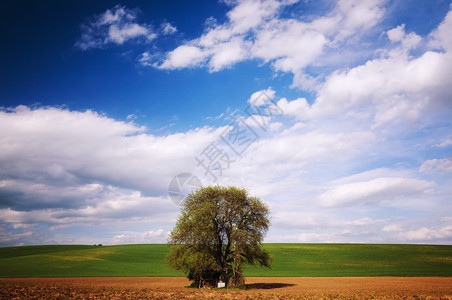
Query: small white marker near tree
(221, 284)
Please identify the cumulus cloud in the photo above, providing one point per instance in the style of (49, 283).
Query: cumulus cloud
(48, 145)
(226, 44)
(298, 108)
(396, 34)
(440, 37)
(417, 83)
(62, 168)
(355, 17)
(389, 99)
(255, 29)
(115, 26)
(184, 56)
(262, 97)
(67, 168)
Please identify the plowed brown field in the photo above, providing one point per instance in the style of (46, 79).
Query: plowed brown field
(256, 288)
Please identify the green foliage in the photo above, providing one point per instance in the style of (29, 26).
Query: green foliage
(289, 260)
(196, 264)
(220, 229)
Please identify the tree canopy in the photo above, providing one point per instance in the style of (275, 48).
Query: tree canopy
(220, 229)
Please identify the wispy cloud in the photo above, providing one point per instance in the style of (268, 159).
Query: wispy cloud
(168, 29)
(431, 165)
(374, 191)
(115, 26)
(151, 236)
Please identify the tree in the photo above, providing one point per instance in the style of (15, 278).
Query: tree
(220, 229)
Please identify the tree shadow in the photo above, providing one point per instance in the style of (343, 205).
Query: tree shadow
(267, 286)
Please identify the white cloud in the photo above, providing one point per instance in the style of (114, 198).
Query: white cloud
(146, 59)
(184, 56)
(316, 220)
(288, 151)
(228, 53)
(408, 41)
(441, 37)
(254, 29)
(250, 14)
(116, 25)
(262, 97)
(223, 45)
(291, 219)
(447, 142)
(148, 237)
(394, 227)
(444, 165)
(355, 17)
(275, 126)
(115, 15)
(304, 237)
(226, 44)
(374, 191)
(112, 206)
(298, 108)
(365, 221)
(8, 238)
(428, 234)
(415, 85)
(396, 34)
(119, 35)
(168, 29)
(64, 168)
(305, 42)
(47, 149)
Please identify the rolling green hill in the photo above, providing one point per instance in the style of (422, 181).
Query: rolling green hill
(289, 260)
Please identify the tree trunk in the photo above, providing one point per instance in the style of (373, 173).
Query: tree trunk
(237, 280)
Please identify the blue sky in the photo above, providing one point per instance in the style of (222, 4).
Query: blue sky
(335, 113)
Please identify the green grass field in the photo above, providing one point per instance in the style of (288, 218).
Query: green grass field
(289, 260)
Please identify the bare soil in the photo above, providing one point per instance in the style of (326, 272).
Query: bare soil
(256, 288)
